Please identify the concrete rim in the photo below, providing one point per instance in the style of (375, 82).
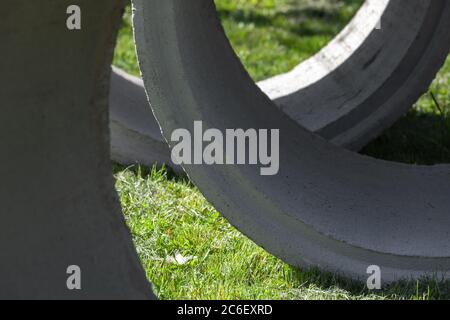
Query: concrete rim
(333, 93)
(358, 212)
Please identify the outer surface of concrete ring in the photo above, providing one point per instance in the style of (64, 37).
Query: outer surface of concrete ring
(59, 207)
(348, 92)
(135, 133)
(342, 217)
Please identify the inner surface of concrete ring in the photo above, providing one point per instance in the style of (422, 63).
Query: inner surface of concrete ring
(59, 206)
(343, 217)
(348, 92)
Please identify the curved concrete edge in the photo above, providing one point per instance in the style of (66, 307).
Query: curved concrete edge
(424, 58)
(135, 134)
(351, 91)
(58, 203)
(333, 55)
(327, 207)
(302, 93)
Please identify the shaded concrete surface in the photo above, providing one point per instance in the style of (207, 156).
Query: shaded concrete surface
(58, 203)
(135, 134)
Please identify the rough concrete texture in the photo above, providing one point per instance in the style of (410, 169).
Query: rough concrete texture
(135, 134)
(58, 203)
(346, 93)
(352, 90)
(327, 207)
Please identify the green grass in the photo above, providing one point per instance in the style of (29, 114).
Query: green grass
(169, 218)
(273, 36)
(125, 53)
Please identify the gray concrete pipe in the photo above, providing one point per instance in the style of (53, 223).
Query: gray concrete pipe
(332, 93)
(327, 207)
(59, 206)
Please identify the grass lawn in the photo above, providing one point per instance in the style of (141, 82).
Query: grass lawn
(188, 250)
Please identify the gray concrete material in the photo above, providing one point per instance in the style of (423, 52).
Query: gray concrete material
(332, 93)
(58, 203)
(327, 207)
(135, 135)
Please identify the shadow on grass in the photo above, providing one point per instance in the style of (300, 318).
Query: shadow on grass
(418, 138)
(430, 288)
(301, 18)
